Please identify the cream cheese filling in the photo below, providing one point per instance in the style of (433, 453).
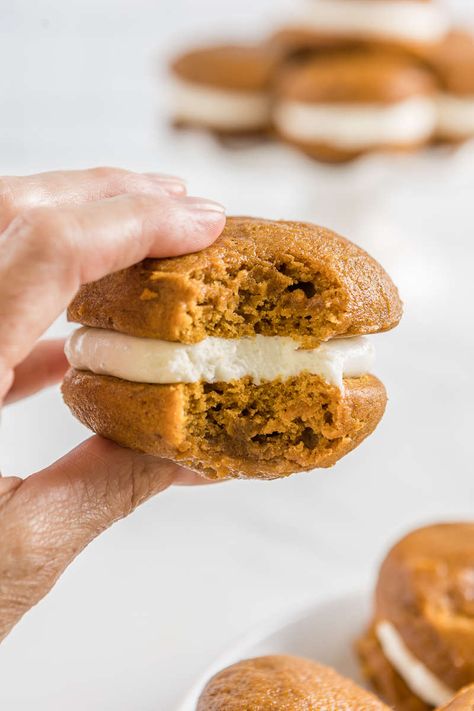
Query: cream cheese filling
(455, 115)
(224, 109)
(404, 19)
(262, 358)
(416, 675)
(357, 126)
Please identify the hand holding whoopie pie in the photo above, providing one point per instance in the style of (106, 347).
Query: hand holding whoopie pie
(60, 230)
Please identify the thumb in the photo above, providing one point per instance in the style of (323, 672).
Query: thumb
(47, 519)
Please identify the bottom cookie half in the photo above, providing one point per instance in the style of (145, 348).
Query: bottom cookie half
(334, 154)
(232, 430)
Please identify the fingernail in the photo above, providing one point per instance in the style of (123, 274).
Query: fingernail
(198, 204)
(174, 186)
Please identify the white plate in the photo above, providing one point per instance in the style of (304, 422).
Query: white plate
(324, 632)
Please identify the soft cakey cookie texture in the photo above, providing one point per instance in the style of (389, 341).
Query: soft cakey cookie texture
(232, 429)
(272, 278)
(426, 591)
(283, 683)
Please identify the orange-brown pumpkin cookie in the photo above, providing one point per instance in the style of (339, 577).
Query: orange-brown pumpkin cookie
(243, 360)
(283, 683)
(419, 649)
(339, 106)
(300, 42)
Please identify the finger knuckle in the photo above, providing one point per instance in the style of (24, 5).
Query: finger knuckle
(115, 181)
(48, 231)
(105, 173)
(141, 202)
(131, 486)
(111, 498)
(25, 560)
(123, 493)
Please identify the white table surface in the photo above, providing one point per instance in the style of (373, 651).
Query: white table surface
(147, 607)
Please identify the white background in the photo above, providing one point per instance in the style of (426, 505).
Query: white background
(147, 606)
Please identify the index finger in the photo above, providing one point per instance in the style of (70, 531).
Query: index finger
(61, 187)
(46, 254)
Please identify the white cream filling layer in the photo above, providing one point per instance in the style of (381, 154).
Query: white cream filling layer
(148, 360)
(223, 109)
(357, 126)
(455, 115)
(418, 678)
(399, 19)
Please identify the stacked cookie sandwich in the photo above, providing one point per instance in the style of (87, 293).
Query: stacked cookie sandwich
(345, 104)
(248, 359)
(344, 78)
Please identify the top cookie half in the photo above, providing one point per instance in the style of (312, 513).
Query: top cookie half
(259, 277)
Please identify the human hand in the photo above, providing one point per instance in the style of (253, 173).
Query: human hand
(57, 231)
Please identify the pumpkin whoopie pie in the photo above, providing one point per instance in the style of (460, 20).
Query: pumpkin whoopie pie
(283, 683)
(244, 360)
(419, 649)
(345, 104)
(453, 64)
(224, 88)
